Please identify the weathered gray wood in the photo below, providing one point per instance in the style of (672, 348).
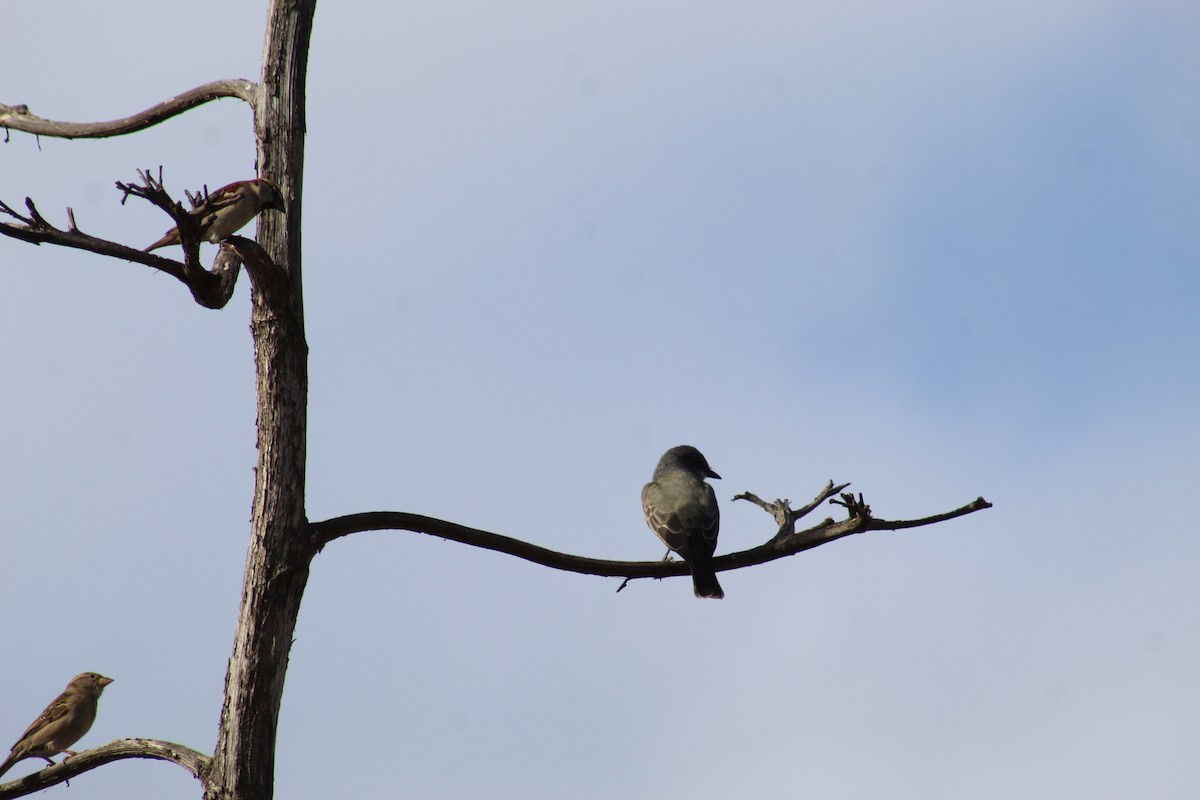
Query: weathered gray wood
(281, 543)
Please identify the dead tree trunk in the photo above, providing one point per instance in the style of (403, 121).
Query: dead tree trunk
(277, 563)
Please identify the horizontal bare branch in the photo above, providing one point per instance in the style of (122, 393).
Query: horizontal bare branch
(19, 117)
(191, 760)
(784, 543)
(338, 527)
(35, 229)
(859, 521)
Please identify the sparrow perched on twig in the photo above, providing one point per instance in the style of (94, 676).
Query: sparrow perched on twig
(228, 210)
(63, 723)
(682, 510)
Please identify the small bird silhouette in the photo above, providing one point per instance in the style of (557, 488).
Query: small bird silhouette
(682, 510)
(229, 209)
(62, 724)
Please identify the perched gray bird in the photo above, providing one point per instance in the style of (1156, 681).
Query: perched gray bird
(63, 723)
(682, 510)
(229, 209)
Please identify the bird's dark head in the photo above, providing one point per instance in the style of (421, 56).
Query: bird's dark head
(687, 458)
(269, 195)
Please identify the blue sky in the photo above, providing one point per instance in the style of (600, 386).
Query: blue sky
(938, 250)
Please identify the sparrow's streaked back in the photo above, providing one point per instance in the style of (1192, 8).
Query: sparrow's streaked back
(229, 209)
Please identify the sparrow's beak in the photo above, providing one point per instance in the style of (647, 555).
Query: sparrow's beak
(105, 681)
(712, 474)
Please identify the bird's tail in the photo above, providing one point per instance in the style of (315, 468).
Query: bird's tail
(171, 237)
(704, 579)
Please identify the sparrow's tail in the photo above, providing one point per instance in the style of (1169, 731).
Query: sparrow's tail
(704, 578)
(171, 237)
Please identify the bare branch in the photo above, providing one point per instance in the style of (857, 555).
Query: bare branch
(153, 191)
(35, 218)
(784, 543)
(785, 516)
(264, 273)
(36, 230)
(859, 521)
(19, 117)
(978, 504)
(338, 527)
(191, 760)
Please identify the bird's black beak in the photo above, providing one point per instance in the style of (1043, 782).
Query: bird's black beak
(278, 205)
(712, 474)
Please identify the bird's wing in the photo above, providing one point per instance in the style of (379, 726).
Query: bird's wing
(709, 519)
(207, 211)
(661, 518)
(226, 195)
(55, 711)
